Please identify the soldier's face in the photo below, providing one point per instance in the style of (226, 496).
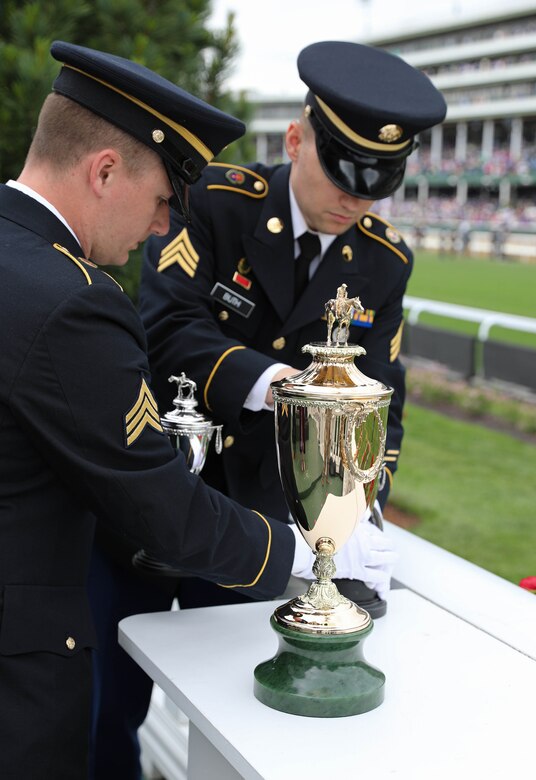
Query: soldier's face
(139, 208)
(325, 207)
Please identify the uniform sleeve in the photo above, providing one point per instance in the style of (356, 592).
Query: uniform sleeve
(84, 398)
(183, 332)
(382, 362)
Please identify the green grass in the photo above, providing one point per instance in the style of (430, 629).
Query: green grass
(483, 283)
(473, 490)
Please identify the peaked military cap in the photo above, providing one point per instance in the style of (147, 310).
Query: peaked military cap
(366, 105)
(185, 131)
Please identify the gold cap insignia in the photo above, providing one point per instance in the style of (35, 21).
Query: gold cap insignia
(392, 235)
(274, 225)
(390, 133)
(347, 253)
(144, 412)
(180, 251)
(367, 222)
(158, 136)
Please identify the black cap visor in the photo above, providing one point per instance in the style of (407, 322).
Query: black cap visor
(358, 174)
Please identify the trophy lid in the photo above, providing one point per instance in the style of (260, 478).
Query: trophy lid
(184, 419)
(333, 375)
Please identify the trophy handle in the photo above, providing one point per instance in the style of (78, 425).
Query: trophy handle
(355, 419)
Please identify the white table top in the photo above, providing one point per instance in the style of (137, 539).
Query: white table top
(458, 703)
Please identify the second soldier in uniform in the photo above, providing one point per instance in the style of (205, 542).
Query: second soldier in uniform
(231, 297)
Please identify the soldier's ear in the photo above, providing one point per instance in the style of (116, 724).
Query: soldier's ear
(103, 169)
(293, 139)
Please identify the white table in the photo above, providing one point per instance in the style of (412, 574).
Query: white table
(459, 703)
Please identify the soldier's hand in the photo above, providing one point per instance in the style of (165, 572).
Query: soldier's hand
(281, 374)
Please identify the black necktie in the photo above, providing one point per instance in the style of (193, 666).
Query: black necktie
(309, 249)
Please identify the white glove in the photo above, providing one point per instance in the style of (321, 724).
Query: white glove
(368, 555)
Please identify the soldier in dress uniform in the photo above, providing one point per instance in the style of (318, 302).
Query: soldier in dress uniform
(231, 297)
(80, 432)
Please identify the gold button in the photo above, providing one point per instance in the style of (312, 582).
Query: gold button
(259, 186)
(71, 644)
(279, 343)
(228, 441)
(223, 315)
(367, 222)
(158, 136)
(274, 225)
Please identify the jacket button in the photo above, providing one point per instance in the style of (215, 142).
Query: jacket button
(223, 315)
(279, 343)
(228, 441)
(71, 644)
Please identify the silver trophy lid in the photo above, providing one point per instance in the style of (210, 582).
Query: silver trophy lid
(184, 419)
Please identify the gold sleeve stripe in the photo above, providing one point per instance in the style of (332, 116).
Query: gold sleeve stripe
(390, 459)
(181, 251)
(66, 252)
(389, 476)
(393, 452)
(213, 372)
(396, 343)
(394, 249)
(268, 548)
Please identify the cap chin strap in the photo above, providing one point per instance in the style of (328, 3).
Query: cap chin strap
(179, 200)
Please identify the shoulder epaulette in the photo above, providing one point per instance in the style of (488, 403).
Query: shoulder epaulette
(380, 230)
(236, 178)
(80, 262)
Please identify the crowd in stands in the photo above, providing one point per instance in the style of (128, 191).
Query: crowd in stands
(500, 163)
(479, 213)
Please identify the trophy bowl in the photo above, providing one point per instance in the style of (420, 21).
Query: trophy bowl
(330, 425)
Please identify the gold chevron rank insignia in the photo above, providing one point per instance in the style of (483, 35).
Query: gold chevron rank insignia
(143, 413)
(180, 251)
(396, 343)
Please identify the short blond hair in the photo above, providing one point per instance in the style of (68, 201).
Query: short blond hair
(66, 132)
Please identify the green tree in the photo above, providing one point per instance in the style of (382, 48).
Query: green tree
(168, 36)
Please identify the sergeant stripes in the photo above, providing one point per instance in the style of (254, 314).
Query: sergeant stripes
(180, 251)
(143, 413)
(396, 343)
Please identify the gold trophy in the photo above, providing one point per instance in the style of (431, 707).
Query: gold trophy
(330, 425)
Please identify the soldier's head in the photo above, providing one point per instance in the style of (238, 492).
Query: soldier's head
(362, 112)
(126, 105)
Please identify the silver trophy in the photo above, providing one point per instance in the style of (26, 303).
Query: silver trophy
(330, 423)
(190, 433)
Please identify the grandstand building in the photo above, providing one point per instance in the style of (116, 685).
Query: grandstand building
(471, 184)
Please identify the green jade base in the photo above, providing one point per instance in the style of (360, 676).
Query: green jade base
(319, 675)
